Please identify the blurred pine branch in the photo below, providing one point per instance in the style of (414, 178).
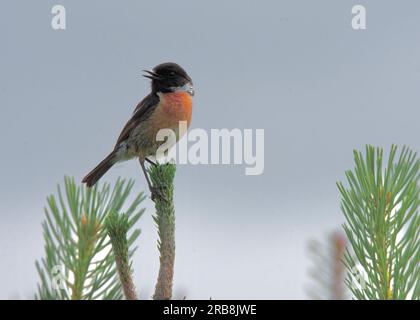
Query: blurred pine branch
(381, 205)
(327, 270)
(79, 262)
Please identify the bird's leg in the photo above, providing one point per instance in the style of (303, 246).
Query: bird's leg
(145, 174)
(153, 163)
(150, 161)
(153, 190)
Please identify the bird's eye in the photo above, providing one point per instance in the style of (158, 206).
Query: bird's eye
(172, 73)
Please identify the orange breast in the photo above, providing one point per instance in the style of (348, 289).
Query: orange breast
(177, 106)
(173, 107)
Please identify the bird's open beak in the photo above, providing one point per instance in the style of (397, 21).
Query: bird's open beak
(190, 88)
(151, 75)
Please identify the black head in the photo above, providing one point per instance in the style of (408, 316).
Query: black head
(168, 77)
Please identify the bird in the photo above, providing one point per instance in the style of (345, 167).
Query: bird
(169, 102)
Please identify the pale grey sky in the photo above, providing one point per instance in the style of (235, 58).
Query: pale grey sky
(294, 68)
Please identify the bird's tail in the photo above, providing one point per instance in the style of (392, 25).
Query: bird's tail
(106, 164)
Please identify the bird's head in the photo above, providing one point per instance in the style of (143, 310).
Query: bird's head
(169, 77)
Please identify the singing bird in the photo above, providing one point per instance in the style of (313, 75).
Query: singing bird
(168, 103)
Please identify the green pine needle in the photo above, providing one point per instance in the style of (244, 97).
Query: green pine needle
(79, 262)
(117, 226)
(162, 177)
(381, 205)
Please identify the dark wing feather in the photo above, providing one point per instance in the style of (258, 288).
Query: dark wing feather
(143, 111)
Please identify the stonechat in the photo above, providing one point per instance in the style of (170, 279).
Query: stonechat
(169, 102)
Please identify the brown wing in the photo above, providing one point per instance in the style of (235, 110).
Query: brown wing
(143, 111)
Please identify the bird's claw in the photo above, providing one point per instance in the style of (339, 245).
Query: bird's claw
(157, 192)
